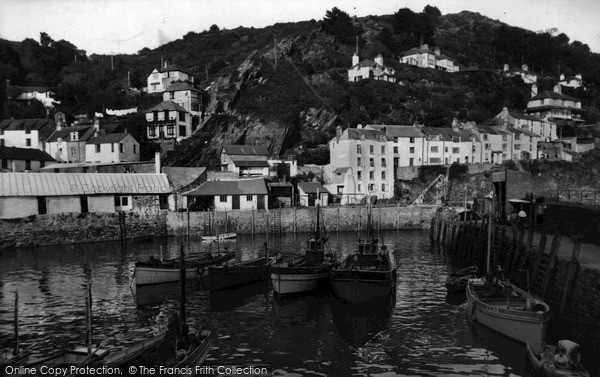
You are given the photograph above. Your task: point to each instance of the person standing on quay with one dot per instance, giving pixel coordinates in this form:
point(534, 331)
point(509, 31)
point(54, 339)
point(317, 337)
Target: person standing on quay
point(522, 221)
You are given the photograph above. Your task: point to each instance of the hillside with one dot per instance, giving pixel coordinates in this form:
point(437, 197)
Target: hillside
point(285, 86)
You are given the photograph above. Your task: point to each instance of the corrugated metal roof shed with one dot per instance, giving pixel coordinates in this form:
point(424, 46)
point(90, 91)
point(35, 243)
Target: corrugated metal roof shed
point(68, 184)
point(256, 150)
point(239, 187)
point(251, 163)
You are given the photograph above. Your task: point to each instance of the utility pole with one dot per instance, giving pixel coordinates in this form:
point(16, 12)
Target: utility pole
point(112, 67)
point(128, 79)
point(275, 49)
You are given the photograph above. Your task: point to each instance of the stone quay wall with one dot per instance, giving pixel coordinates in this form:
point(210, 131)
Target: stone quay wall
point(69, 228)
point(290, 220)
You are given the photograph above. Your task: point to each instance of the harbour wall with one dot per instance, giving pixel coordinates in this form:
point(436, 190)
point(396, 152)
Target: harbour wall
point(546, 264)
point(290, 220)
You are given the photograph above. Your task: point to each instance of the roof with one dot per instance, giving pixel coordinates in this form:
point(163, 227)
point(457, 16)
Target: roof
point(280, 184)
point(39, 89)
point(251, 163)
point(166, 105)
point(492, 130)
point(180, 177)
point(212, 175)
point(417, 50)
point(397, 130)
point(525, 116)
point(69, 184)
point(312, 187)
point(522, 131)
point(359, 133)
point(256, 186)
point(447, 134)
point(31, 154)
point(340, 170)
point(248, 150)
point(175, 67)
point(108, 138)
point(554, 95)
point(83, 133)
point(181, 85)
point(44, 126)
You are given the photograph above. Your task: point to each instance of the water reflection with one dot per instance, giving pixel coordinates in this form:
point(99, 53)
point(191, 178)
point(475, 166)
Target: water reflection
point(419, 331)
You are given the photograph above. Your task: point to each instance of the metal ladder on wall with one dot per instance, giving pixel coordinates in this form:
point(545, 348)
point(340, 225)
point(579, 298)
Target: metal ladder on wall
point(543, 268)
point(277, 220)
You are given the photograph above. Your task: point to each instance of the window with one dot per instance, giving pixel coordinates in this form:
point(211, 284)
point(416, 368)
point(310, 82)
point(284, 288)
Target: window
point(152, 131)
point(504, 147)
point(248, 198)
point(27, 130)
point(27, 164)
point(121, 147)
point(4, 164)
point(112, 148)
point(155, 115)
point(504, 137)
point(412, 139)
point(163, 201)
point(165, 114)
point(359, 161)
point(434, 149)
point(383, 174)
point(83, 201)
point(435, 160)
point(97, 146)
point(371, 162)
point(171, 130)
point(359, 187)
point(383, 149)
point(359, 175)
point(455, 150)
point(371, 149)
point(446, 149)
point(28, 142)
point(73, 151)
point(182, 130)
point(411, 150)
point(383, 163)
point(517, 147)
point(182, 116)
point(485, 137)
point(488, 146)
point(135, 147)
point(223, 198)
point(371, 175)
point(517, 137)
point(395, 149)
point(359, 149)
point(172, 95)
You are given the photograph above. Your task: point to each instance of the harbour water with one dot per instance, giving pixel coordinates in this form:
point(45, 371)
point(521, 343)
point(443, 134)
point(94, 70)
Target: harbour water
point(418, 332)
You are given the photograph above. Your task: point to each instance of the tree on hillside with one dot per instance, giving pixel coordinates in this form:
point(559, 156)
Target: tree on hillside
point(412, 28)
point(434, 11)
point(338, 23)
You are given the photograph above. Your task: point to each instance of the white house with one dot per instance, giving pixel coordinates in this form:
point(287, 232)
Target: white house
point(408, 143)
point(25, 133)
point(571, 81)
point(444, 146)
point(311, 193)
point(168, 120)
point(40, 93)
point(545, 129)
point(67, 144)
point(15, 160)
point(240, 194)
point(554, 106)
point(185, 95)
point(361, 164)
point(426, 57)
point(245, 160)
point(370, 69)
point(115, 147)
point(161, 78)
point(527, 76)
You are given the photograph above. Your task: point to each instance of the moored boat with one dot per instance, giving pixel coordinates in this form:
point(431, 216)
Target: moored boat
point(306, 272)
point(155, 271)
point(457, 281)
point(367, 274)
point(546, 368)
point(239, 273)
point(17, 356)
point(219, 237)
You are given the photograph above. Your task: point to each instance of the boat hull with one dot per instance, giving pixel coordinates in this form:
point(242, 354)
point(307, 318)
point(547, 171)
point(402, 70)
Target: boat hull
point(533, 352)
point(146, 275)
point(220, 237)
point(290, 280)
point(234, 276)
point(357, 290)
point(515, 323)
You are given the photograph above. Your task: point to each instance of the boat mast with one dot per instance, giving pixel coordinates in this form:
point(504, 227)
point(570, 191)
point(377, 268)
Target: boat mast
point(489, 235)
point(88, 322)
point(182, 276)
point(16, 324)
point(317, 229)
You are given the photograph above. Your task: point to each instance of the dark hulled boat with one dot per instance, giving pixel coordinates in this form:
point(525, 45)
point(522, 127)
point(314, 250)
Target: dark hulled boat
point(240, 273)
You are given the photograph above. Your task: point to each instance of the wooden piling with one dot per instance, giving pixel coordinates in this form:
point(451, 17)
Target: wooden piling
point(572, 275)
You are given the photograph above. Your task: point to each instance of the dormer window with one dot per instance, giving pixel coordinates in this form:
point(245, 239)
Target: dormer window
point(74, 136)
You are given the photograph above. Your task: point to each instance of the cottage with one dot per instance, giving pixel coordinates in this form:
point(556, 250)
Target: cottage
point(426, 57)
point(367, 69)
point(409, 143)
point(26, 194)
point(311, 193)
point(241, 194)
point(14, 159)
point(160, 79)
point(571, 81)
point(67, 144)
point(168, 121)
point(527, 76)
point(545, 129)
point(185, 95)
point(553, 106)
point(39, 93)
point(245, 160)
point(26, 133)
point(115, 147)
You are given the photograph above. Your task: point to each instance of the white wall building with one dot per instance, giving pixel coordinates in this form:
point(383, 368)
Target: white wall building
point(426, 57)
point(25, 133)
point(370, 69)
point(185, 95)
point(168, 120)
point(115, 147)
point(161, 78)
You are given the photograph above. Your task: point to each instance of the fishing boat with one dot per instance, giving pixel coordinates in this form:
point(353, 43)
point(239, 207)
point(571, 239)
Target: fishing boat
point(306, 272)
point(534, 354)
point(367, 274)
point(457, 281)
point(17, 356)
point(505, 308)
point(219, 237)
point(234, 274)
point(157, 271)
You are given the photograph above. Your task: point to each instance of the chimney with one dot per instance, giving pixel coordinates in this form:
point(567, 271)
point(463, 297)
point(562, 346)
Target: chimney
point(562, 76)
point(578, 76)
point(455, 125)
point(97, 125)
point(437, 51)
point(524, 67)
point(557, 89)
point(359, 126)
point(534, 90)
point(157, 167)
point(506, 67)
point(338, 132)
point(379, 59)
point(355, 59)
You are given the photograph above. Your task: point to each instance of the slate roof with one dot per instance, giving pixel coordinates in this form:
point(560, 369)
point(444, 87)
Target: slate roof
point(44, 126)
point(69, 184)
point(175, 67)
point(166, 105)
point(522, 131)
point(256, 186)
point(551, 94)
point(397, 130)
point(525, 116)
point(251, 163)
point(357, 134)
point(312, 187)
point(83, 133)
point(39, 89)
point(24, 154)
point(180, 177)
point(108, 138)
point(181, 85)
point(247, 150)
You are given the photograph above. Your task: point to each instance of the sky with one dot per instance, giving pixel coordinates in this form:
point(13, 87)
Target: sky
point(127, 26)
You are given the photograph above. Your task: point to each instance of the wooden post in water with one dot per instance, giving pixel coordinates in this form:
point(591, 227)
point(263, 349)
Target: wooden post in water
point(252, 222)
point(16, 324)
point(337, 221)
point(188, 222)
point(88, 322)
point(574, 266)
